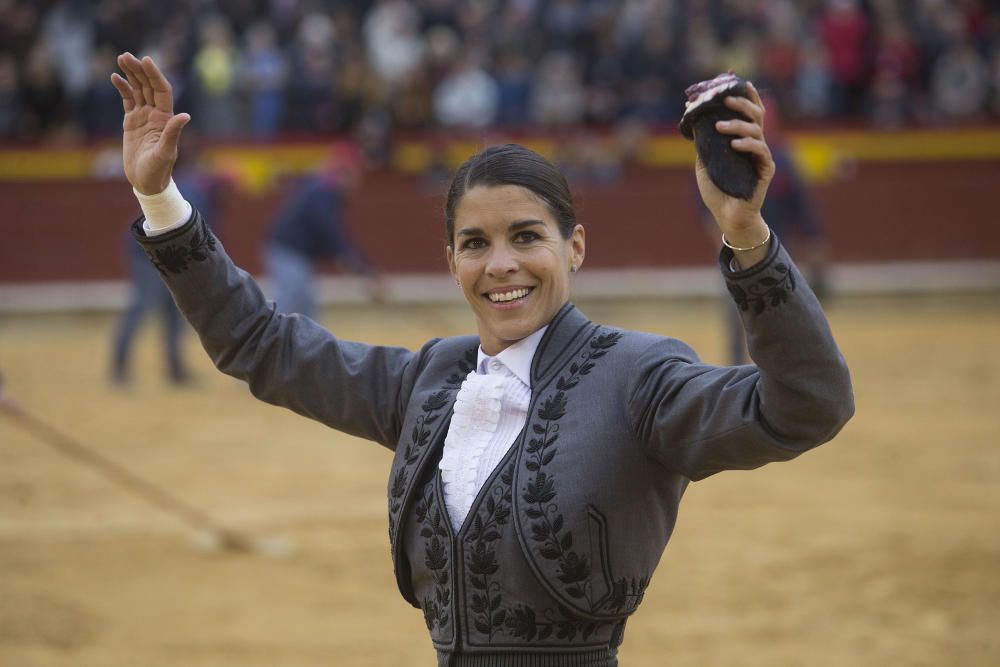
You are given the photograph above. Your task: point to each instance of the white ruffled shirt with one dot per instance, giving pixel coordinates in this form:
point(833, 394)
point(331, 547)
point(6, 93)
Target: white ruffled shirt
point(490, 411)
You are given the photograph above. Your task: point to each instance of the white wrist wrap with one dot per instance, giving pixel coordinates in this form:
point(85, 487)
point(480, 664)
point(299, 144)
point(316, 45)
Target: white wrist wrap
point(164, 211)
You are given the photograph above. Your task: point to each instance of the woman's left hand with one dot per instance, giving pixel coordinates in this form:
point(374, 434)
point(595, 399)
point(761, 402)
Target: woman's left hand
point(739, 219)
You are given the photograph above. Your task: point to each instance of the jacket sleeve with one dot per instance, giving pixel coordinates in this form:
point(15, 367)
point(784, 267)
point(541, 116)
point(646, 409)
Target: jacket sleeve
point(287, 360)
point(699, 419)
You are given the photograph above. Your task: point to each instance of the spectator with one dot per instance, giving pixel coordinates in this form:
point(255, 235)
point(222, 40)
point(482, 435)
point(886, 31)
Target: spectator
point(467, 97)
point(217, 110)
point(515, 29)
point(444, 48)
point(356, 90)
point(263, 74)
point(896, 69)
point(778, 54)
point(995, 81)
point(287, 66)
point(513, 89)
point(845, 32)
point(652, 77)
point(960, 83)
point(395, 46)
point(43, 95)
point(10, 99)
point(123, 23)
point(558, 96)
point(68, 28)
point(100, 103)
point(701, 49)
point(18, 27)
point(566, 24)
point(813, 85)
point(311, 101)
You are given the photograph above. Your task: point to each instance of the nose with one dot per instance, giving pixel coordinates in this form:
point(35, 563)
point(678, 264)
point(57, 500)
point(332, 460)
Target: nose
point(502, 261)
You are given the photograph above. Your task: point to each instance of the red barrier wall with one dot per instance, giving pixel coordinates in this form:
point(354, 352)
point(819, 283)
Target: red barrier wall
point(74, 230)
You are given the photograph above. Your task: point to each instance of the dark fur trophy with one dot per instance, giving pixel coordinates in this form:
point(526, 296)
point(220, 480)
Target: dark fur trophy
point(732, 172)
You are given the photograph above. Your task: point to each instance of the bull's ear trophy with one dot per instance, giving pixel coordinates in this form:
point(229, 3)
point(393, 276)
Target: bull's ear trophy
point(731, 170)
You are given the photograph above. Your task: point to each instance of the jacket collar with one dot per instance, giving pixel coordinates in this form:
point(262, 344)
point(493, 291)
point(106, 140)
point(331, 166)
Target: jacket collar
point(567, 331)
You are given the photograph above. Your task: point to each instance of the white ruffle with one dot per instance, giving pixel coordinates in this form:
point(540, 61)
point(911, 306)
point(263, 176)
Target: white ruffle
point(473, 423)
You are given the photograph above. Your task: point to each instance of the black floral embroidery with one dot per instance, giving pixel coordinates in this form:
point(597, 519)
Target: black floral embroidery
point(554, 541)
point(420, 435)
point(766, 291)
point(491, 617)
point(176, 257)
point(626, 594)
point(524, 623)
point(437, 604)
point(487, 528)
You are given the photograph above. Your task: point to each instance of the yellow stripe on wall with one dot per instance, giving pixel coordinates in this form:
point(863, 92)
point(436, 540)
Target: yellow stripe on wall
point(256, 167)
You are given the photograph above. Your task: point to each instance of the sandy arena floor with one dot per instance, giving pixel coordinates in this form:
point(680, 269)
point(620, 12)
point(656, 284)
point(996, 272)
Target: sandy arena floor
point(880, 548)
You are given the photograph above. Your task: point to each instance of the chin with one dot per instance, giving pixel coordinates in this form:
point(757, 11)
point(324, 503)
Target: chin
point(510, 335)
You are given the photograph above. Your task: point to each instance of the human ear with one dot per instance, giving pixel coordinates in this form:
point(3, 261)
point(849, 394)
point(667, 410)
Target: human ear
point(450, 255)
point(578, 247)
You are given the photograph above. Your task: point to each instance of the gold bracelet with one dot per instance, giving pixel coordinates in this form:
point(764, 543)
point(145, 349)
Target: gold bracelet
point(753, 247)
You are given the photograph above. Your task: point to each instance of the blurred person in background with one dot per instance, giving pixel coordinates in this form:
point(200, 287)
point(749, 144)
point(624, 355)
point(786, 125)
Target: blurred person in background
point(538, 466)
point(310, 227)
point(11, 110)
point(558, 97)
point(995, 80)
point(779, 53)
point(97, 105)
point(380, 63)
point(813, 84)
point(69, 28)
point(895, 80)
point(148, 293)
point(960, 83)
point(215, 80)
point(263, 74)
point(311, 103)
point(44, 100)
point(394, 43)
point(649, 70)
point(19, 22)
point(130, 24)
point(845, 31)
point(468, 96)
point(514, 77)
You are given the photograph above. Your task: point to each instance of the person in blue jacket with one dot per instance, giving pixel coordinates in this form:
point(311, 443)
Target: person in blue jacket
point(310, 228)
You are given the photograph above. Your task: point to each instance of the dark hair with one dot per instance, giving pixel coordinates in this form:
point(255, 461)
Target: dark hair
point(512, 164)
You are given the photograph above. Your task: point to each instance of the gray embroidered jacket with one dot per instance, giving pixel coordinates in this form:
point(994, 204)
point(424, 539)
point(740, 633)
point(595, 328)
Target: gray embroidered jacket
point(562, 540)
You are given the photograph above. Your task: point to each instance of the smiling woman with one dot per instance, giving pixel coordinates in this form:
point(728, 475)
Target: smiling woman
point(511, 257)
point(539, 464)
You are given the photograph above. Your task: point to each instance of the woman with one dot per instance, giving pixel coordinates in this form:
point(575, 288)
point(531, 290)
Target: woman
point(539, 465)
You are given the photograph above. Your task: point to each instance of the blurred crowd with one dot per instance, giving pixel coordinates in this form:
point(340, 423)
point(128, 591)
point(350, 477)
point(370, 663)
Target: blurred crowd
point(260, 68)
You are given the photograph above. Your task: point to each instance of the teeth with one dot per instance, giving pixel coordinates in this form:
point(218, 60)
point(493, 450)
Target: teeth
point(503, 297)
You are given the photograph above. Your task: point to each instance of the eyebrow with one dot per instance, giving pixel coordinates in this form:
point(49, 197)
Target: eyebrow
point(514, 227)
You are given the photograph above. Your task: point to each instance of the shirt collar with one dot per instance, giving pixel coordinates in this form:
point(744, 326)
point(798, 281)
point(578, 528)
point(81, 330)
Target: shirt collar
point(517, 358)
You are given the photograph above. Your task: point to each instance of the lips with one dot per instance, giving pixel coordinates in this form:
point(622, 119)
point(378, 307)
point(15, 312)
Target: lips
point(502, 296)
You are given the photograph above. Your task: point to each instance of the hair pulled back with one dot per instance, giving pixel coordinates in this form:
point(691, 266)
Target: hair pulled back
point(513, 164)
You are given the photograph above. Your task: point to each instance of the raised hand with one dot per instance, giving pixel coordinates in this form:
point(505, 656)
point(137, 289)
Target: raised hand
point(740, 220)
point(150, 130)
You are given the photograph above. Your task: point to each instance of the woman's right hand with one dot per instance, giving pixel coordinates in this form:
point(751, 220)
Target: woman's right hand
point(150, 131)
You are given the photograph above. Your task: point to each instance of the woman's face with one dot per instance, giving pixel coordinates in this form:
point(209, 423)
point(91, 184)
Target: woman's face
point(511, 262)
